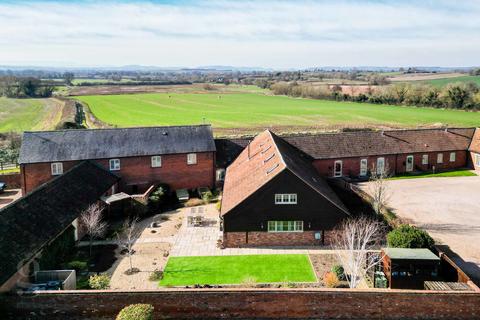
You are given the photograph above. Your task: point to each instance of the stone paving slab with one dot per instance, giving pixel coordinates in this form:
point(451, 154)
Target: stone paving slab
point(202, 241)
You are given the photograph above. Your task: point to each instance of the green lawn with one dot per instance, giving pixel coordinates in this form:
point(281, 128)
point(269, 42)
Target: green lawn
point(7, 171)
point(445, 81)
point(456, 173)
point(181, 271)
point(245, 110)
point(28, 114)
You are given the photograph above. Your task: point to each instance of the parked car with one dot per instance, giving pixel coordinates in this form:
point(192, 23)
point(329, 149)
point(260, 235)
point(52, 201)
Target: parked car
point(3, 186)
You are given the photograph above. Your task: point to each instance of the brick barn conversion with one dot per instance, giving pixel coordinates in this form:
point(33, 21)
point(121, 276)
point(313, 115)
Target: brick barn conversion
point(274, 196)
point(29, 224)
point(274, 193)
point(181, 156)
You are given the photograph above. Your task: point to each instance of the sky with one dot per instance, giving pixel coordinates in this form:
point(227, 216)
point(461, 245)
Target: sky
point(271, 34)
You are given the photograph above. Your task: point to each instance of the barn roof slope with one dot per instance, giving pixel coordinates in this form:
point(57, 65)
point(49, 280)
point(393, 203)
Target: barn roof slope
point(86, 144)
point(366, 143)
point(475, 145)
point(30, 223)
point(262, 160)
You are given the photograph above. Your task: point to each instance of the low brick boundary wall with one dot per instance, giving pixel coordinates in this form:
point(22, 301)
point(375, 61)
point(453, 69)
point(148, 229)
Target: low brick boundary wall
point(11, 179)
point(247, 303)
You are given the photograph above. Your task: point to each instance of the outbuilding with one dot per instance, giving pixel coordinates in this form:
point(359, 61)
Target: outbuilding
point(410, 268)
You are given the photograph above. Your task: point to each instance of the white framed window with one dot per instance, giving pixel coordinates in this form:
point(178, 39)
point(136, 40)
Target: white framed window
point(338, 168)
point(477, 160)
point(285, 198)
point(425, 159)
point(363, 167)
point(453, 156)
point(57, 168)
point(380, 165)
point(114, 164)
point(192, 158)
point(220, 174)
point(285, 226)
point(440, 158)
point(156, 161)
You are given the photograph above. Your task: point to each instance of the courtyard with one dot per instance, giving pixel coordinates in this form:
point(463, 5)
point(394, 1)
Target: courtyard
point(448, 208)
point(191, 255)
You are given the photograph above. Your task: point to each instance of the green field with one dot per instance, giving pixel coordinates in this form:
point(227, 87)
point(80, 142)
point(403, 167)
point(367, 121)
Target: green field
point(28, 114)
point(445, 81)
point(249, 110)
point(182, 271)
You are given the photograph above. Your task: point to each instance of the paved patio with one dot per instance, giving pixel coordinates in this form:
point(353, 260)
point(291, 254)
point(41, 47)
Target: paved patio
point(202, 241)
point(9, 196)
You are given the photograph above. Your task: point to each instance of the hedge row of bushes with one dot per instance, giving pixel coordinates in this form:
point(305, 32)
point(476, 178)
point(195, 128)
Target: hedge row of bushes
point(455, 95)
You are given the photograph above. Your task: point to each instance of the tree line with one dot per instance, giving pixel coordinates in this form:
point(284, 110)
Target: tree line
point(28, 87)
point(454, 95)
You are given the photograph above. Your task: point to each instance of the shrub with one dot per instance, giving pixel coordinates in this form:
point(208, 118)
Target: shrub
point(59, 251)
point(406, 236)
point(207, 197)
point(77, 265)
point(193, 202)
point(339, 271)
point(159, 197)
point(218, 205)
point(156, 275)
point(331, 280)
point(136, 312)
point(99, 281)
point(249, 282)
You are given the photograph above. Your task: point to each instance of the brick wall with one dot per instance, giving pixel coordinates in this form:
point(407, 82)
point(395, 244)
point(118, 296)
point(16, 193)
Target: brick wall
point(472, 160)
point(245, 303)
point(396, 163)
point(12, 180)
point(306, 238)
point(137, 171)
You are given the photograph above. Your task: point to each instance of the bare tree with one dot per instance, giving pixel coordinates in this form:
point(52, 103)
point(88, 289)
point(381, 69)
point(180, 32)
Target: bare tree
point(353, 242)
point(127, 239)
point(91, 220)
point(379, 187)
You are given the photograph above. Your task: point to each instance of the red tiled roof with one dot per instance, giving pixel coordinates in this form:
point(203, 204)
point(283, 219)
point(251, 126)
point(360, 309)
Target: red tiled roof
point(365, 143)
point(475, 145)
point(263, 159)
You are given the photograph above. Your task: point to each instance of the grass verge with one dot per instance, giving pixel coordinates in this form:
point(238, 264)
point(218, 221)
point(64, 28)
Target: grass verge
point(9, 171)
point(182, 271)
point(455, 173)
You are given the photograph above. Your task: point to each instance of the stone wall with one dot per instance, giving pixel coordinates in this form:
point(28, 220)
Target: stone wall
point(247, 303)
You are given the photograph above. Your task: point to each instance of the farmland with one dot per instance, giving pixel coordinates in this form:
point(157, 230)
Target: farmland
point(250, 110)
point(445, 81)
point(434, 79)
point(29, 114)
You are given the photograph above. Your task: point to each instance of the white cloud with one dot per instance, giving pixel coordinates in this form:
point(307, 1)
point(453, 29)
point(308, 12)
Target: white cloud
point(248, 33)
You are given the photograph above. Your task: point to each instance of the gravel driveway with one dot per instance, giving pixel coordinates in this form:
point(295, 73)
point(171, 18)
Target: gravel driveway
point(448, 208)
